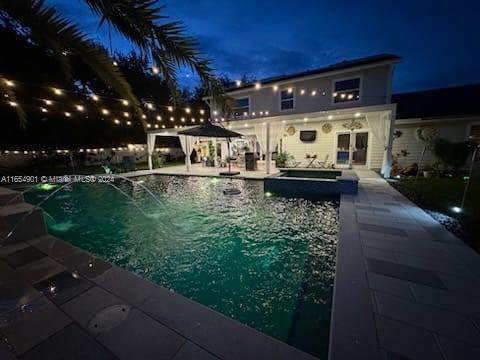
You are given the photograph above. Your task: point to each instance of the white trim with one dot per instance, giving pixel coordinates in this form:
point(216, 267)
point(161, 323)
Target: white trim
point(280, 100)
point(360, 90)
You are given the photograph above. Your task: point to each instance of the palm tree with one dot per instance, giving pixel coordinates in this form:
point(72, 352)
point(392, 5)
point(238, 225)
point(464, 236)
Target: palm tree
point(142, 22)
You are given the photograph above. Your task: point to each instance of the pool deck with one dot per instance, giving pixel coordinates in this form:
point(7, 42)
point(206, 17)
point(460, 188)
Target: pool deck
point(405, 288)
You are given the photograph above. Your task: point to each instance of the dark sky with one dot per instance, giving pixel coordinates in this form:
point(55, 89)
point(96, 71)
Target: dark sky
point(438, 40)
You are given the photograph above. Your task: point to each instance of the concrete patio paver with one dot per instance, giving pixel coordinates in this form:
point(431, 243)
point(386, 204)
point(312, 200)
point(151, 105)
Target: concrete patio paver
point(423, 282)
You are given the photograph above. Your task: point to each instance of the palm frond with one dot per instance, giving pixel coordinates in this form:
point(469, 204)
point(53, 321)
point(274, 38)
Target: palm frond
point(47, 26)
point(166, 44)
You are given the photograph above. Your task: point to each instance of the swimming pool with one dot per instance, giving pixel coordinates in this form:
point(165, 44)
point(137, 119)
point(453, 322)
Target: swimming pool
point(267, 262)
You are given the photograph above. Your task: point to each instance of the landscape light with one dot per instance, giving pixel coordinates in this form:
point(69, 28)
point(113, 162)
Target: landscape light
point(456, 209)
point(268, 194)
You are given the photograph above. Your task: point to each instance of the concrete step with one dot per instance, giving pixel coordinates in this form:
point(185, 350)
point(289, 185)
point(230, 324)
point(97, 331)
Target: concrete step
point(8, 196)
point(25, 227)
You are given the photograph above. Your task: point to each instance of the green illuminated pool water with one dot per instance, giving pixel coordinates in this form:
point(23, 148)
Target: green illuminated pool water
point(267, 262)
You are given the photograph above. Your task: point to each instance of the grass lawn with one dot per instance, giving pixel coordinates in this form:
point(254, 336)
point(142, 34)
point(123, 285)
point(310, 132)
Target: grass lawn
point(441, 194)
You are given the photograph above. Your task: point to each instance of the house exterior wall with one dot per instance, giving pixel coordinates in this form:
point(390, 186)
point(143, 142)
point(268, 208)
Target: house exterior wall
point(454, 129)
point(374, 90)
point(325, 144)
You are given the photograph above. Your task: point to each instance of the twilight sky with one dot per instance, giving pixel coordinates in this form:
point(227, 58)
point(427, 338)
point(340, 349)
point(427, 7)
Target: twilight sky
point(438, 40)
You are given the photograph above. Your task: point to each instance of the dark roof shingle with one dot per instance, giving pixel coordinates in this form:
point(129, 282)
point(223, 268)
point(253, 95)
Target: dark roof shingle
point(451, 101)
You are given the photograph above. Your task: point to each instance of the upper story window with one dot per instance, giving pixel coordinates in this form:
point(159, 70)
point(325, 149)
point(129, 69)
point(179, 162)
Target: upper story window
point(287, 99)
point(346, 90)
point(241, 107)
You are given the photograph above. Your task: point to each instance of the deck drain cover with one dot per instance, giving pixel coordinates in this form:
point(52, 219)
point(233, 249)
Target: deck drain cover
point(108, 318)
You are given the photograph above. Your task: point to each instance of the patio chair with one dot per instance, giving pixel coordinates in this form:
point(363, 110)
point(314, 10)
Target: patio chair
point(324, 164)
point(292, 163)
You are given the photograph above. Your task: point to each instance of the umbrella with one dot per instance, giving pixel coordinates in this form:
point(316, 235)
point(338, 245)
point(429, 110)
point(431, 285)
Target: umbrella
point(210, 130)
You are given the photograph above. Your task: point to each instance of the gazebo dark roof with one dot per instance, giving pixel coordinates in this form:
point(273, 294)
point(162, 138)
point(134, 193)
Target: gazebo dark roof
point(210, 130)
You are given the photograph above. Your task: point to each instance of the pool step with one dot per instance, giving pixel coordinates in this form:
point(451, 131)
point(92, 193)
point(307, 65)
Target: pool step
point(8, 196)
point(23, 220)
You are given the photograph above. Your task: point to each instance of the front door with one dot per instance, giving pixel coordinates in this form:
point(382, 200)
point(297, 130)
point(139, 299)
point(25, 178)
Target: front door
point(351, 149)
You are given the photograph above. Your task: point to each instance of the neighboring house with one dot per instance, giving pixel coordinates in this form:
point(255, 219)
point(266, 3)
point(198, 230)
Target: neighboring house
point(340, 113)
point(452, 113)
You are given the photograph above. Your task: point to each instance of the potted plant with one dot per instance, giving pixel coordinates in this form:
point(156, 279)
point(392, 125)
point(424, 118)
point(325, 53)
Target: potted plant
point(282, 159)
point(429, 172)
point(211, 155)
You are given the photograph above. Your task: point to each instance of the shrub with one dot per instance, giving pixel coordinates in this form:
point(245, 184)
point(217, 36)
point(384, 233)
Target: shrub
point(451, 155)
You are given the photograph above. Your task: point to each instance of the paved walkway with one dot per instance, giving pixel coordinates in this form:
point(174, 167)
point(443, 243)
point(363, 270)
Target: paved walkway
point(406, 288)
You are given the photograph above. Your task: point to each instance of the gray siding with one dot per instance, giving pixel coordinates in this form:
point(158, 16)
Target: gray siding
point(375, 90)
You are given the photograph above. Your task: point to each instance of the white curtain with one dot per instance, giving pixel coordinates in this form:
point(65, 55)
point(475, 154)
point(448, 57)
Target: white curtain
point(187, 143)
point(379, 125)
point(261, 135)
point(276, 133)
point(224, 147)
point(150, 147)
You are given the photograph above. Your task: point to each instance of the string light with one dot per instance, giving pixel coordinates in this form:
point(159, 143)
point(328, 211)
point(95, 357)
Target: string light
point(126, 114)
point(79, 107)
point(302, 92)
point(149, 126)
point(188, 110)
point(172, 118)
point(149, 105)
point(159, 118)
point(202, 111)
point(48, 102)
point(57, 91)
point(43, 110)
point(182, 119)
point(13, 103)
point(95, 97)
point(105, 112)
point(9, 83)
point(116, 121)
point(144, 116)
point(125, 102)
point(67, 114)
point(155, 70)
point(314, 92)
point(170, 108)
point(129, 123)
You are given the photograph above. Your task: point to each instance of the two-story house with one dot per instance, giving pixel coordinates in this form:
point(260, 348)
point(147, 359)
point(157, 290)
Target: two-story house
point(340, 115)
